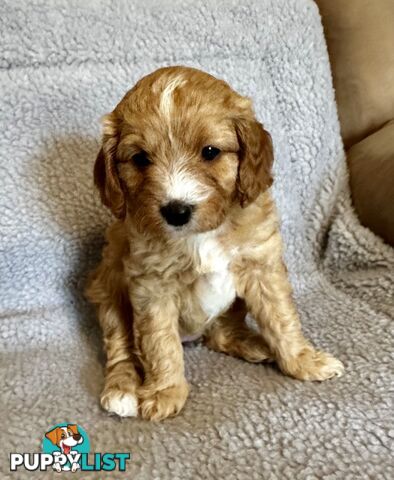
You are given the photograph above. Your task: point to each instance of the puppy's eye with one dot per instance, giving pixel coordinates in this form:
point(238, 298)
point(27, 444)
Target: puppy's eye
point(141, 159)
point(209, 152)
point(63, 435)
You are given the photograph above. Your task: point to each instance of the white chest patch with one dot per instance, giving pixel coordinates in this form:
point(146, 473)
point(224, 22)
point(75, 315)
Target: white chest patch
point(214, 289)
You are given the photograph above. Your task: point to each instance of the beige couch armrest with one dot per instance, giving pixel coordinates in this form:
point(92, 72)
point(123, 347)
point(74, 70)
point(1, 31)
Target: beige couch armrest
point(371, 164)
point(360, 39)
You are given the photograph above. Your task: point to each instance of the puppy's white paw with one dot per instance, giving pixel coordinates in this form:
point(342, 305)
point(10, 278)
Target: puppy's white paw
point(124, 404)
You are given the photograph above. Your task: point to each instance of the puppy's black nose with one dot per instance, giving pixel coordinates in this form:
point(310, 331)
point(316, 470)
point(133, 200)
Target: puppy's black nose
point(77, 436)
point(176, 213)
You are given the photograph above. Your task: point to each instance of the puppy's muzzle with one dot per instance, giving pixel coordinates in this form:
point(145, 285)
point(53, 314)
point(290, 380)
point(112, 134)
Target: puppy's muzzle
point(177, 213)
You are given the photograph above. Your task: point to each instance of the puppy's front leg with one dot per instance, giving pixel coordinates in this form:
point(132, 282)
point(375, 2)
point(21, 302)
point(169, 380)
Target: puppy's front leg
point(159, 348)
point(268, 296)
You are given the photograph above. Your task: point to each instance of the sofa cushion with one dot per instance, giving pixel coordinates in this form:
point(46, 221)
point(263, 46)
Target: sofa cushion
point(360, 38)
point(371, 164)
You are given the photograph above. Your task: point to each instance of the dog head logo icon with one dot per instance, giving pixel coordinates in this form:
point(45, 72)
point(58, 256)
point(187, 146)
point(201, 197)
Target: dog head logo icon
point(65, 437)
point(66, 442)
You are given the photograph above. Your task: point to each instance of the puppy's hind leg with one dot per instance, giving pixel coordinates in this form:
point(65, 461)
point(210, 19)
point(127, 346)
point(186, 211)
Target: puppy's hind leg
point(231, 335)
point(268, 296)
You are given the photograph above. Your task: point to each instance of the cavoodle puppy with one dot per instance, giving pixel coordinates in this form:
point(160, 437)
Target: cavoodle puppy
point(185, 168)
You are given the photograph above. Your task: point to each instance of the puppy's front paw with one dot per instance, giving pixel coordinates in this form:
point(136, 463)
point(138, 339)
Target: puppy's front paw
point(313, 365)
point(161, 404)
point(122, 403)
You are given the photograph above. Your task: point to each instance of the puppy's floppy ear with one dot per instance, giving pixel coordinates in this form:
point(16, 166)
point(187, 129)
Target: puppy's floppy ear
point(53, 435)
point(255, 160)
point(106, 177)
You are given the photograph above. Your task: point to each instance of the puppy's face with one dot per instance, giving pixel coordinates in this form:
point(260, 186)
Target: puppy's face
point(178, 151)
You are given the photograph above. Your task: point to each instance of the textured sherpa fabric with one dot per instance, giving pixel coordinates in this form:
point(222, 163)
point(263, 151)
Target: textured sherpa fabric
point(63, 65)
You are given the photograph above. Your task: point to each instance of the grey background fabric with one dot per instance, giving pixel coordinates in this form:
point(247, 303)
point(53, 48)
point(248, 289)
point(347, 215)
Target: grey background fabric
point(63, 64)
